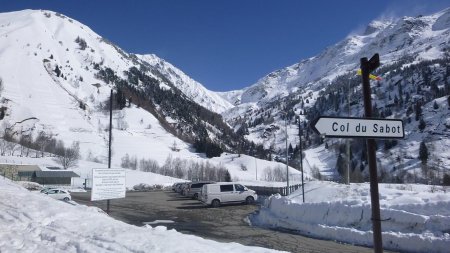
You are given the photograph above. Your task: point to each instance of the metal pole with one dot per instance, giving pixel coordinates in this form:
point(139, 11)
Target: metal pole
point(287, 156)
point(109, 143)
point(256, 167)
point(301, 158)
point(371, 156)
point(348, 141)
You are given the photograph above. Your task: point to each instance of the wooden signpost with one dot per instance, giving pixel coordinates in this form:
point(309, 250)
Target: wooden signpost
point(370, 129)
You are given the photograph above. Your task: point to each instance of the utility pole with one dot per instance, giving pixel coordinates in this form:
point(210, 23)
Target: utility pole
point(256, 168)
point(347, 179)
point(287, 156)
point(300, 133)
point(368, 66)
point(109, 143)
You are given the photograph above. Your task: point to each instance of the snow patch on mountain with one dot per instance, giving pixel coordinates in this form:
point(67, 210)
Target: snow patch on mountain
point(191, 88)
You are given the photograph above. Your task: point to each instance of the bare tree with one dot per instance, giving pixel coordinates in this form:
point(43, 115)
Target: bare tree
point(121, 123)
point(42, 140)
point(125, 163)
point(167, 168)
point(1, 86)
point(3, 147)
point(25, 142)
point(178, 166)
point(11, 147)
point(148, 165)
point(69, 156)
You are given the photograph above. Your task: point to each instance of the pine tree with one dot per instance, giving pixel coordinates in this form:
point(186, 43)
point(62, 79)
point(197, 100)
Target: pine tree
point(422, 125)
point(227, 176)
point(57, 71)
point(423, 152)
point(418, 108)
point(400, 93)
point(120, 99)
point(340, 163)
point(446, 180)
point(435, 105)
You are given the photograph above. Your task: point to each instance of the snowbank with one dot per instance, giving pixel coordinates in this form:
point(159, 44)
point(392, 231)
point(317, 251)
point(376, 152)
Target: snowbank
point(414, 218)
point(31, 222)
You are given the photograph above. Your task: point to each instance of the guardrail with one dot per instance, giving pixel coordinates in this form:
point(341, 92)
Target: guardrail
point(267, 191)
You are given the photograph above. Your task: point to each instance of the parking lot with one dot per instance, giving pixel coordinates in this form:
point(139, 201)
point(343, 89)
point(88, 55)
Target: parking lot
point(225, 224)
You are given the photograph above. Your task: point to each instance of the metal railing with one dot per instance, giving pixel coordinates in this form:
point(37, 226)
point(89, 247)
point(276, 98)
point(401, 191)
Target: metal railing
point(267, 191)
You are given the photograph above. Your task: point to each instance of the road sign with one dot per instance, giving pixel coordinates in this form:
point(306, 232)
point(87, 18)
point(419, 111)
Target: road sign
point(346, 127)
point(108, 184)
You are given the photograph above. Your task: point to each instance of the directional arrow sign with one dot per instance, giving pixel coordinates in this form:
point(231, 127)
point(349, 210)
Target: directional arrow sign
point(358, 127)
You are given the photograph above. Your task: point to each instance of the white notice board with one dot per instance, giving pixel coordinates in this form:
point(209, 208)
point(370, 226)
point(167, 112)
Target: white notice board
point(108, 184)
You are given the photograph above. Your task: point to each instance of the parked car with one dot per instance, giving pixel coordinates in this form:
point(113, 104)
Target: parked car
point(194, 189)
point(182, 188)
point(174, 186)
point(59, 194)
point(226, 192)
point(45, 189)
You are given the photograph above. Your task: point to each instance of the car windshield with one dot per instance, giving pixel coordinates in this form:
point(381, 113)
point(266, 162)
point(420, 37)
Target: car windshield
point(46, 189)
point(239, 187)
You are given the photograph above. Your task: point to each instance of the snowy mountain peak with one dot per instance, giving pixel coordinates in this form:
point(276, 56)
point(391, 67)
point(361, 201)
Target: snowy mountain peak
point(376, 26)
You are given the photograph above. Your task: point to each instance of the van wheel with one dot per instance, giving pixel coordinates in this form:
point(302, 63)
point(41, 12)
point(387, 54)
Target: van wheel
point(249, 200)
point(215, 203)
point(195, 196)
point(66, 199)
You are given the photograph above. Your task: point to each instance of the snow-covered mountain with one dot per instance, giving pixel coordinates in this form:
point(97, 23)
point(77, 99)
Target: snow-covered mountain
point(56, 76)
point(51, 72)
point(423, 37)
point(414, 55)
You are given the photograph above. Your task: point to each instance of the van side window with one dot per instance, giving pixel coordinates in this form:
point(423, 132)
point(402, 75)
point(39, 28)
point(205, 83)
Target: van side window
point(226, 188)
point(239, 187)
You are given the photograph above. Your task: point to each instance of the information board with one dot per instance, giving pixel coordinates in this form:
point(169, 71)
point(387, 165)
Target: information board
point(108, 184)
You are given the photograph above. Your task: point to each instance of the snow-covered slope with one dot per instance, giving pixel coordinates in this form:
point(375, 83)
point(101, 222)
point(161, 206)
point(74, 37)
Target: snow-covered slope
point(415, 218)
point(187, 85)
point(35, 45)
point(33, 222)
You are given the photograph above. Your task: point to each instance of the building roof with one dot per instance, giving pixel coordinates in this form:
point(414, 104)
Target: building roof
point(53, 168)
point(20, 167)
point(53, 173)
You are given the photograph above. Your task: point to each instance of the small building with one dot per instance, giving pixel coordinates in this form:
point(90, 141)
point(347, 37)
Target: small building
point(25, 172)
point(39, 174)
point(59, 177)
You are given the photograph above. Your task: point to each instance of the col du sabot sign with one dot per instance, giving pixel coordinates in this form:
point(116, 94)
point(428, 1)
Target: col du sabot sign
point(342, 127)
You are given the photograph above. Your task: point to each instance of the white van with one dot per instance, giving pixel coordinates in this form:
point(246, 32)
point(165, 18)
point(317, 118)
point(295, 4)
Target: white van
point(226, 192)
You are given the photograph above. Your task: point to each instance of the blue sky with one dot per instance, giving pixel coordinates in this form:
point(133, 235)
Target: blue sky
point(228, 45)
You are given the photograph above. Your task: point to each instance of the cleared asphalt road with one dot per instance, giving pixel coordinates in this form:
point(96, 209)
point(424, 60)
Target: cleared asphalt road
point(225, 224)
